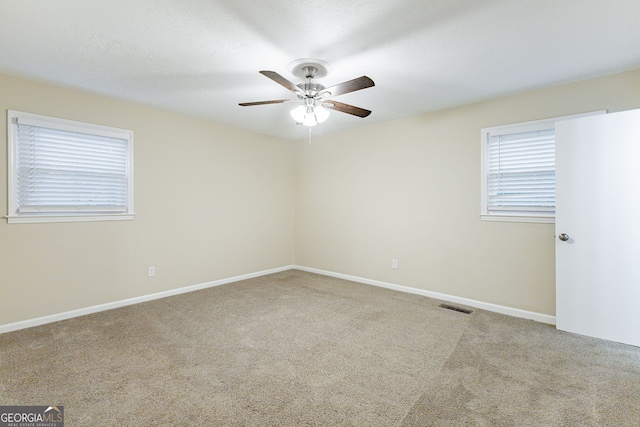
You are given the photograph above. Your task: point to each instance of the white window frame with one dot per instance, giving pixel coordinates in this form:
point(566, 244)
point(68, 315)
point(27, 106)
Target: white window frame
point(486, 134)
point(50, 215)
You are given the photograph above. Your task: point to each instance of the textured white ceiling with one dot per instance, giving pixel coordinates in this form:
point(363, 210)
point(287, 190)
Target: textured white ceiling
point(201, 58)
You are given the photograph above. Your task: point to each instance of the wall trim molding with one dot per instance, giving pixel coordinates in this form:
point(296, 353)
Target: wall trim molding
point(538, 317)
point(9, 327)
point(509, 311)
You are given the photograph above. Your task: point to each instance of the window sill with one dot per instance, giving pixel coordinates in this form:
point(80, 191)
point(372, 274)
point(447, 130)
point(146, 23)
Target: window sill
point(519, 218)
point(14, 219)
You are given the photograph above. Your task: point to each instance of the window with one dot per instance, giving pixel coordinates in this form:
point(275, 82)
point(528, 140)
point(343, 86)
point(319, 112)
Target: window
point(62, 170)
point(518, 171)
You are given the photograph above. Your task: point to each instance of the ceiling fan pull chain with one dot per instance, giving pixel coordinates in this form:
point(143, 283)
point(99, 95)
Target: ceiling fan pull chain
point(309, 135)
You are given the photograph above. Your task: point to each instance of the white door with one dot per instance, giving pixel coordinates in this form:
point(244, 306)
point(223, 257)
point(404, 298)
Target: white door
point(598, 211)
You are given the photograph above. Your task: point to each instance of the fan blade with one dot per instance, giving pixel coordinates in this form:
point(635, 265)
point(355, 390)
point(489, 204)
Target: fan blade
point(282, 81)
point(275, 101)
point(346, 108)
point(350, 86)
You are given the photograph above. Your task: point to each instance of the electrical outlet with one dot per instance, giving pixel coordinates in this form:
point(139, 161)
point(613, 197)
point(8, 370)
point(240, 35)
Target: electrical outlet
point(394, 263)
point(151, 272)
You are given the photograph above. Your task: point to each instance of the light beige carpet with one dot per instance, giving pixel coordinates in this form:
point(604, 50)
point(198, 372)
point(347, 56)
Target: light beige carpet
point(299, 349)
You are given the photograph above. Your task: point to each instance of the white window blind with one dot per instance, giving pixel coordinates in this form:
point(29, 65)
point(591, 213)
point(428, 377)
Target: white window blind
point(69, 168)
point(521, 172)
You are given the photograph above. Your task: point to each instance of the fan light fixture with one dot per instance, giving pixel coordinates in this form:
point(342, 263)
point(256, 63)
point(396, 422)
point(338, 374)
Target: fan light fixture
point(310, 114)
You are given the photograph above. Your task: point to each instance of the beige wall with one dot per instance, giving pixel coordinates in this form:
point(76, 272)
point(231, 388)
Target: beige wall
point(214, 202)
point(211, 202)
point(410, 189)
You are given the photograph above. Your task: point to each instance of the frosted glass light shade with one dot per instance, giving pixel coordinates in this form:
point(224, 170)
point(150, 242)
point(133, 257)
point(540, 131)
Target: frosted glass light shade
point(298, 113)
point(310, 115)
point(322, 113)
point(310, 118)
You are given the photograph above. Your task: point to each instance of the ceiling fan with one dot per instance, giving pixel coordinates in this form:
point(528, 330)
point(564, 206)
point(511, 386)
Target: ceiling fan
point(315, 105)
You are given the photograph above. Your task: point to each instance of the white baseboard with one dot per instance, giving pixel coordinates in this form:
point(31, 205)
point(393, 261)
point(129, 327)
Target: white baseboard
point(538, 317)
point(544, 318)
point(116, 304)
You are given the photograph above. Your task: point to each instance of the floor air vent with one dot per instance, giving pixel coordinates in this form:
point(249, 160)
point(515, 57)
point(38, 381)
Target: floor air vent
point(454, 308)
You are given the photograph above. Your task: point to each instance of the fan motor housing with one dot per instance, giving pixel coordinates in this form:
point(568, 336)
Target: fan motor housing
point(310, 89)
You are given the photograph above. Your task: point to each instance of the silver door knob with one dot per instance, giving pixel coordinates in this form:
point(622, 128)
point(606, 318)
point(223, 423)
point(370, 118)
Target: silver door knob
point(564, 237)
